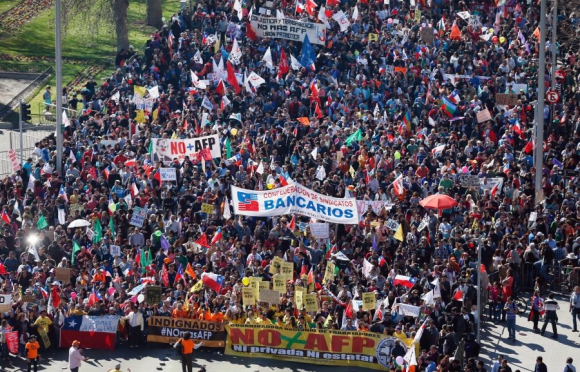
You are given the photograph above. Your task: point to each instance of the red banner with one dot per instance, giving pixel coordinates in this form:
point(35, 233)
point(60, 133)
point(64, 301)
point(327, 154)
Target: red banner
point(12, 342)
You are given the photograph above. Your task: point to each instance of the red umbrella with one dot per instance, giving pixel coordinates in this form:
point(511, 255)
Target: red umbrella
point(438, 201)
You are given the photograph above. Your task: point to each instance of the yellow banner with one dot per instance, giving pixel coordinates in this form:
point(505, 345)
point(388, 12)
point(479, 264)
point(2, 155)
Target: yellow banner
point(311, 303)
point(279, 283)
point(287, 269)
point(317, 346)
point(249, 296)
point(369, 301)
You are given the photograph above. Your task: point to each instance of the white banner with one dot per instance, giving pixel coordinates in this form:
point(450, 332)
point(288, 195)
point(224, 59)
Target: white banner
point(409, 310)
point(168, 149)
point(320, 230)
point(294, 199)
point(289, 29)
point(168, 174)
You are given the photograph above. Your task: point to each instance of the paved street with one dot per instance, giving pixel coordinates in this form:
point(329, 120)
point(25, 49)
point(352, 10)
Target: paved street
point(520, 355)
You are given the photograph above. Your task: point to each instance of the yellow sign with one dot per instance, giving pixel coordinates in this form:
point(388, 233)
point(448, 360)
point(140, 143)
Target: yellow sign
point(287, 269)
point(329, 273)
point(197, 287)
point(311, 303)
point(369, 301)
point(207, 208)
point(139, 90)
point(275, 265)
point(417, 16)
point(249, 296)
point(299, 299)
point(264, 285)
point(255, 284)
point(140, 116)
point(279, 283)
point(314, 346)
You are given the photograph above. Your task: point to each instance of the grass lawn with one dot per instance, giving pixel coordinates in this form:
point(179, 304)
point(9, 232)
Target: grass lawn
point(81, 48)
point(7, 4)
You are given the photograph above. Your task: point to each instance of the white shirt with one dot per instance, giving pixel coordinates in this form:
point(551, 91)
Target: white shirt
point(135, 319)
point(74, 357)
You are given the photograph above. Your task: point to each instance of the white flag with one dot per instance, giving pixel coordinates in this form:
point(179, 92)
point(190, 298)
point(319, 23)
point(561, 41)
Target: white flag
point(197, 58)
point(238, 8)
point(31, 181)
point(206, 103)
point(61, 216)
point(65, 120)
point(367, 268)
point(432, 122)
point(438, 150)
point(424, 223)
point(16, 207)
point(428, 298)
point(268, 58)
point(154, 92)
point(314, 153)
point(32, 250)
point(321, 173)
point(342, 20)
point(227, 211)
point(223, 74)
point(255, 79)
point(116, 97)
point(437, 289)
point(236, 53)
point(376, 113)
point(247, 84)
point(260, 169)
point(279, 14)
point(129, 200)
point(322, 16)
point(355, 14)
point(294, 63)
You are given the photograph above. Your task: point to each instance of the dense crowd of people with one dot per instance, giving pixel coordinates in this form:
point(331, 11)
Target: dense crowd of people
point(390, 113)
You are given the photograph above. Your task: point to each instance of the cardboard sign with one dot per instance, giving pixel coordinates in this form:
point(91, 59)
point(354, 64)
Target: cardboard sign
point(153, 294)
point(369, 301)
point(28, 298)
point(311, 303)
point(299, 297)
point(5, 303)
point(287, 269)
point(271, 297)
point(63, 275)
point(207, 208)
point(168, 174)
point(468, 180)
point(508, 99)
point(115, 250)
point(249, 296)
point(320, 230)
point(392, 225)
point(483, 116)
point(76, 207)
point(427, 35)
point(279, 283)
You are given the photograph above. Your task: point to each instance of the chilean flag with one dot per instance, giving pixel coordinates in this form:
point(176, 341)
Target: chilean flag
point(213, 281)
point(217, 237)
point(93, 332)
point(62, 193)
point(405, 281)
point(179, 274)
point(134, 190)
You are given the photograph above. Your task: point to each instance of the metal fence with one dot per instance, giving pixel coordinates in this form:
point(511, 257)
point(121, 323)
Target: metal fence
point(28, 143)
point(47, 114)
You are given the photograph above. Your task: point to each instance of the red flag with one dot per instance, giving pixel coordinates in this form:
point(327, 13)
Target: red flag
point(494, 190)
point(3, 269)
point(232, 78)
point(318, 111)
point(283, 181)
point(55, 296)
point(157, 176)
point(221, 88)
point(202, 240)
point(250, 33)
point(217, 237)
point(197, 128)
point(165, 276)
point(189, 271)
point(458, 296)
point(5, 217)
point(283, 67)
point(310, 277)
point(93, 299)
point(292, 225)
point(348, 311)
point(529, 147)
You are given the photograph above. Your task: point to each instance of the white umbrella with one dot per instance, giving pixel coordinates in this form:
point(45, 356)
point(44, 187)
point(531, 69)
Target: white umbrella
point(79, 223)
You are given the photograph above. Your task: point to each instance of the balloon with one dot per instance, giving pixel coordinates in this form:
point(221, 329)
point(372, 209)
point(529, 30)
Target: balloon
point(234, 131)
point(73, 295)
point(111, 290)
point(501, 39)
point(390, 21)
point(245, 281)
point(465, 169)
point(141, 298)
point(490, 30)
point(270, 186)
point(400, 361)
point(134, 299)
point(494, 39)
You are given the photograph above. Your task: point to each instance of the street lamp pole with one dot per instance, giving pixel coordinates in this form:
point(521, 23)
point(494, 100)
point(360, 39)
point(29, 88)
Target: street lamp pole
point(539, 150)
point(58, 57)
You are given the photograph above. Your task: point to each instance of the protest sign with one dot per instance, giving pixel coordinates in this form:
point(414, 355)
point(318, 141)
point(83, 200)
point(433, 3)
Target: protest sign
point(320, 230)
point(5, 303)
point(27, 298)
point(271, 297)
point(489, 183)
point(329, 273)
point(138, 217)
point(468, 180)
point(313, 346)
point(279, 283)
point(287, 269)
point(288, 29)
point(115, 250)
point(294, 199)
point(168, 174)
point(275, 265)
point(255, 285)
point(165, 150)
point(249, 296)
point(63, 274)
point(427, 35)
point(168, 330)
point(311, 303)
point(299, 297)
point(74, 208)
point(392, 225)
point(369, 301)
point(409, 310)
point(14, 160)
point(264, 285)
point(483, 116)
point(153, 294)
point(207, 208)
point(508, 99)
point(12, 342)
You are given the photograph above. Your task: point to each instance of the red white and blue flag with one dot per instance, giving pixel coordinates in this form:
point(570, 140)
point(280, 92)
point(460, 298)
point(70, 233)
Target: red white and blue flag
point(248, 202)
point(212, 281)
point(62, 193)
point(93, 332)
point(405, 281)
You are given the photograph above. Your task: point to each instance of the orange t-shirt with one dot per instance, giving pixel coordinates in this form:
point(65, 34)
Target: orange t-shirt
point(179, 313)
point(187, 346)
point(99, 278)
point(32, 348)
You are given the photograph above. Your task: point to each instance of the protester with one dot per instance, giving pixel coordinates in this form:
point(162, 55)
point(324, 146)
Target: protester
point(185, 347)
point(75, 357)
point(551, 306)
point(32, 355)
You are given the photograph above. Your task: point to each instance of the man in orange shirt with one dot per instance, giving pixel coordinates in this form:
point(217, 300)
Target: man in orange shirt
point(32, 356)
point(187, 346)
point(99, 276)
point(179, 312)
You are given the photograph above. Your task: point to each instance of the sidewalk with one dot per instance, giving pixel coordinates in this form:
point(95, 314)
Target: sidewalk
point(522, 353)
